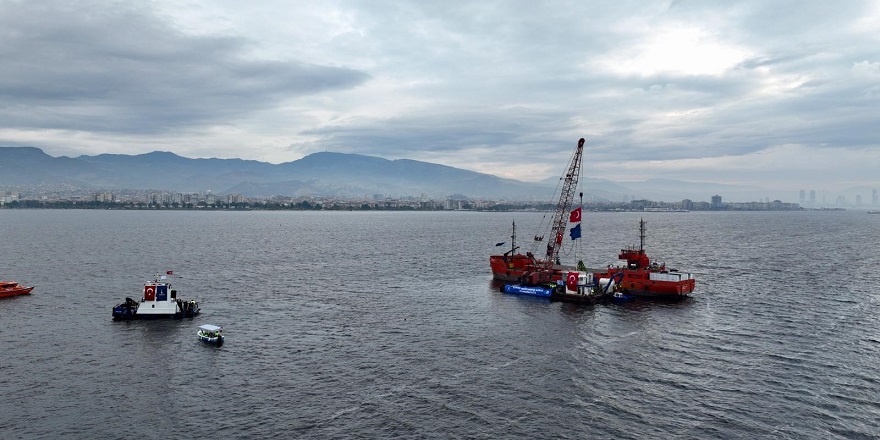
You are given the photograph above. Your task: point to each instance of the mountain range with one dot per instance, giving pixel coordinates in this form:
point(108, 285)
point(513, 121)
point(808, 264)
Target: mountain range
point(319, 174)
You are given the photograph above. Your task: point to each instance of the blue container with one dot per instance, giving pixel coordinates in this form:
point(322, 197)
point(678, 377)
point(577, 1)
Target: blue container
point(516, 289)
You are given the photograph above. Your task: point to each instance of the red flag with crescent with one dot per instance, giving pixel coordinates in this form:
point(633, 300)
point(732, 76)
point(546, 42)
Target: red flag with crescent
point(571, 281)
point(150, 293)
point(575, 216)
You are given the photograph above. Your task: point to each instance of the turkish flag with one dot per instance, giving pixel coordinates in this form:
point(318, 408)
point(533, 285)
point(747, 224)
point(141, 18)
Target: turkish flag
point(571, 281)
point(575, 216)
point(150, 293)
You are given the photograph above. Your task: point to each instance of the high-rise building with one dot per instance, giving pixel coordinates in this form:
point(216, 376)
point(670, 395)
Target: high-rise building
point(716, 201)
point(105, 196)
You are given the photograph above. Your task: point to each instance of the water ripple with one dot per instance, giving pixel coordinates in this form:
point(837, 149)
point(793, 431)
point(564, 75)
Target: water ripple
point(386, 325)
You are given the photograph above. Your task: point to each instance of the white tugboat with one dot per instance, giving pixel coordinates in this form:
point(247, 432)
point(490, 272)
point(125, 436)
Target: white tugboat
point(158, 302)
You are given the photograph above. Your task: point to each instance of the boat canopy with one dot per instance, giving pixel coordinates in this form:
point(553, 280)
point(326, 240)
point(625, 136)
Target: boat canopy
point(210, 328)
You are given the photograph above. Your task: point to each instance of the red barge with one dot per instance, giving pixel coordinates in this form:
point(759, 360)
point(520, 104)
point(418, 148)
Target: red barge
point(641, 277)
point(526, 268)
point(546, 277)
point(11, 288)
point(513, 266)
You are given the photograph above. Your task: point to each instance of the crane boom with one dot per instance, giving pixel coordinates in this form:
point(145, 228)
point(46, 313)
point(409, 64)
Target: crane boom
point(563, 208)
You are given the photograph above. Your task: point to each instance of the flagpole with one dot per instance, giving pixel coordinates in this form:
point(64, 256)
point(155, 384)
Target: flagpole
point(577, 247)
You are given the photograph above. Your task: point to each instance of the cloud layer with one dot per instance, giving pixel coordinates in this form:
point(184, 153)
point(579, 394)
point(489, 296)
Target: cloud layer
point(779, 94)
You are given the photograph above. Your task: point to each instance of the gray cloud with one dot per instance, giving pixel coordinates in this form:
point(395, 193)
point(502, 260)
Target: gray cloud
point(112, 67)
point(678, 90)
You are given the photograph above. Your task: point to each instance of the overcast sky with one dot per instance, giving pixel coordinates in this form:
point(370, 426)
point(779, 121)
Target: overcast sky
point(782, 94)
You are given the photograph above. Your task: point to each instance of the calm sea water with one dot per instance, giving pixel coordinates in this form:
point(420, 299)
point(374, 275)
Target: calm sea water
point(387, 325)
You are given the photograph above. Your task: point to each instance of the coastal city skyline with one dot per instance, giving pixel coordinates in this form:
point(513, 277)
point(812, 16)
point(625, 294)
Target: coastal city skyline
point(32, 173)
point(747, 93)
point(149, 199)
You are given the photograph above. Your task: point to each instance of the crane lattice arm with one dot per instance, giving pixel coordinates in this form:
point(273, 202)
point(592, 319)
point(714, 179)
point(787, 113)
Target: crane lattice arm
point(563, 208)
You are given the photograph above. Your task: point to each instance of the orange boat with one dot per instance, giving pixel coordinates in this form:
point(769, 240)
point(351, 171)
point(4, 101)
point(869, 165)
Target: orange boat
point(644, 278)
point(11, 288)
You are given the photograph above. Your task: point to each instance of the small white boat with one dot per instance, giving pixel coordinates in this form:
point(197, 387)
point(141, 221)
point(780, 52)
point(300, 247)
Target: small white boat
point(211, 334)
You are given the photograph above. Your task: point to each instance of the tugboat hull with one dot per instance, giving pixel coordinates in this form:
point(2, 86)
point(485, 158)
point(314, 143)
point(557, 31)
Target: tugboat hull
point(122, 316)
point(657, 285)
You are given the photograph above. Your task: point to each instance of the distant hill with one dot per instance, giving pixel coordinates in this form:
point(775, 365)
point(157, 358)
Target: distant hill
point(319, 174)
